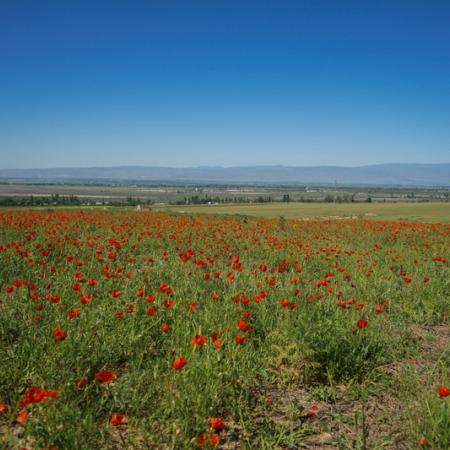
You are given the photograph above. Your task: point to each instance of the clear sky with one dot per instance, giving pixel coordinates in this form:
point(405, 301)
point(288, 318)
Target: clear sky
point(224, 82)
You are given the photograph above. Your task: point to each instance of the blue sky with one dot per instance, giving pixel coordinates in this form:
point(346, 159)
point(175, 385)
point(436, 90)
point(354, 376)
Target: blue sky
point(193, 82)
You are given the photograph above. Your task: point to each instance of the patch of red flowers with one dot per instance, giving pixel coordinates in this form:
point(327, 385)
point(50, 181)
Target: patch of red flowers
point(36, 395)
point(105, 376)
point(208, 440)
point(199, 340)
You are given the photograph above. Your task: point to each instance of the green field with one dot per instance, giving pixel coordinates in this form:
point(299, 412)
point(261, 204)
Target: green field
point(422, 212)
point(127, 330)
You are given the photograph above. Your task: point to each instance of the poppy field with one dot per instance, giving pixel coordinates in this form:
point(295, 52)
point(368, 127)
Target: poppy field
point(128, 330)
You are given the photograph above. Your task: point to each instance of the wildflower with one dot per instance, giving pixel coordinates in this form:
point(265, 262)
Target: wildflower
point(36, 395)
point(59, 334)
point(206, 440)
point(239, 340)
point(313, 411)
point(443, 391)
point(179, 363)
point(73, 313)
point(22, 417)
point(243, 325)
point(3, 409)
point(118, 419)
point(192, 306)
point(81, 383)
point(105, 376)
point(216, 424)
point(199, 340)
point(362, 323)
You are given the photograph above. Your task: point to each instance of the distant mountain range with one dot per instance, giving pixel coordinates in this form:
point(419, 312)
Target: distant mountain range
point(381, 174)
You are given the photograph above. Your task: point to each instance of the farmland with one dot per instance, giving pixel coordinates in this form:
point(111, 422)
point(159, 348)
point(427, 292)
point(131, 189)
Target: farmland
point(421, 212)
point(123, 329)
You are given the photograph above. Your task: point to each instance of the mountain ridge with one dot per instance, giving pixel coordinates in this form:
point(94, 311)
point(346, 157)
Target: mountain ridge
point(411, 174)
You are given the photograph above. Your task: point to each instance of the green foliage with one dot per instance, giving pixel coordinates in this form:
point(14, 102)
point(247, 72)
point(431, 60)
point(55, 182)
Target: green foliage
point(300, 288)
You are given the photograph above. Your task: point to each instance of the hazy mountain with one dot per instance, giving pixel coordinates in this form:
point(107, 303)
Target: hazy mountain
point(382, 174)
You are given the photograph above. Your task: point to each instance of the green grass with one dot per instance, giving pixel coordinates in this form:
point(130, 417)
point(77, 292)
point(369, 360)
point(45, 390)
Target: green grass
point(302, 288)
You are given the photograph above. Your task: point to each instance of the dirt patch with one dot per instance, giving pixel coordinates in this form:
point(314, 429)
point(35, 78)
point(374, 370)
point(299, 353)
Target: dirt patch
point(433, 339)
point(322, 425)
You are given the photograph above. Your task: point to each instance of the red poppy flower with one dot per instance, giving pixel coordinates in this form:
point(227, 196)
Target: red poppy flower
point(208, 440)
point(313, 411)
point(284, 303)
point(22, 417)
point(73, 313)
point(105, 376)
point(52, 393)
point(243, 325)
point(3, 409)
point(362, 323)
point(443, 391)
point(164, 327)
point(81, 383)
point(199, 340)
point(216, 424)
point(239, 340)
point(192, 306)
point(37, 395)
point(179, 363)
point(151, 312)
point(59, 334)
point(118, 419)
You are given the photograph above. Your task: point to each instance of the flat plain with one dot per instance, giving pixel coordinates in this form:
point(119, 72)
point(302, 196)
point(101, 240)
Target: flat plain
point(422, 212)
